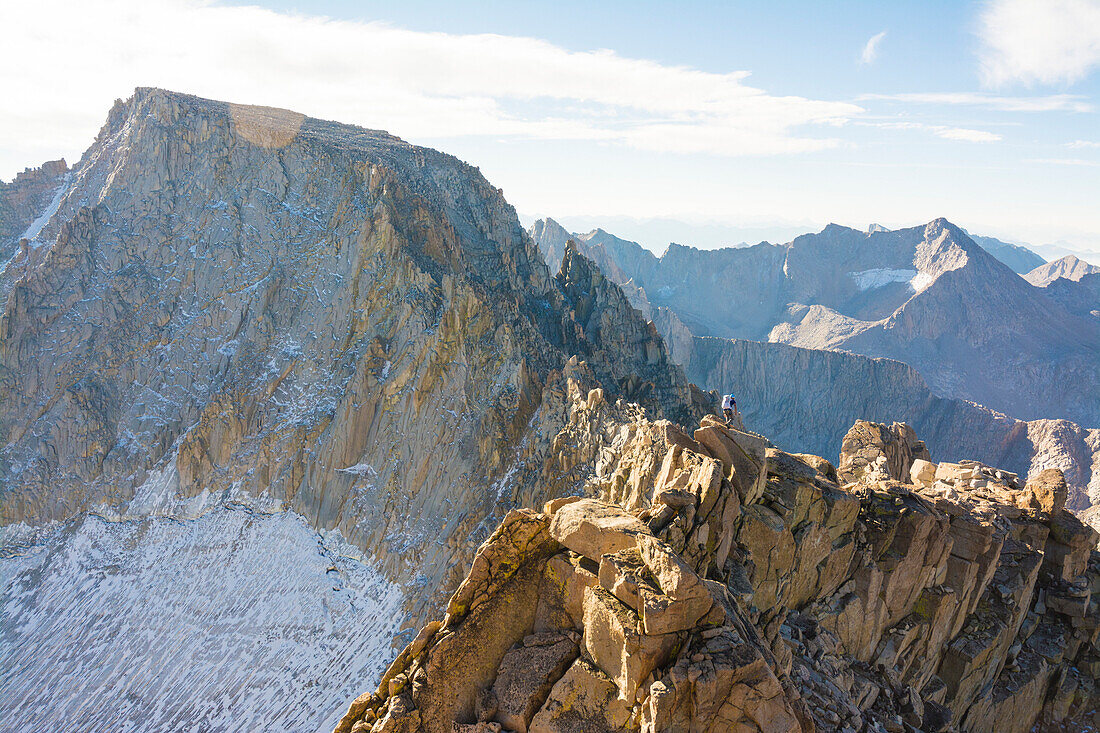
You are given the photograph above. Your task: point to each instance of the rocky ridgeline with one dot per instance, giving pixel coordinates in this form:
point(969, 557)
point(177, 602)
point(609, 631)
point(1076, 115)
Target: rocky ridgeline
point(712, 582)
point(808, 399)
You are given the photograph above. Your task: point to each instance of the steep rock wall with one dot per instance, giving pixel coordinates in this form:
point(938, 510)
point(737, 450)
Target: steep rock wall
point(260, 303)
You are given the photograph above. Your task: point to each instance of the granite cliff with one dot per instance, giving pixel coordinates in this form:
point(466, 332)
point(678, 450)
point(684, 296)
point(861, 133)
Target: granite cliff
point(340, 348)
point(709, 582)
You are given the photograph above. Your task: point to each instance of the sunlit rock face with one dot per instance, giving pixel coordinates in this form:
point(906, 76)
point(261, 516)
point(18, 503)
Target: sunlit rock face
point(714, 583)
point(245, 307)
point(290, 306)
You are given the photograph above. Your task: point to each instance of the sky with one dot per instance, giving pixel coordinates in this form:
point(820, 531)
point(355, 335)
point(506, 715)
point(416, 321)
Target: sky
point(703, 122)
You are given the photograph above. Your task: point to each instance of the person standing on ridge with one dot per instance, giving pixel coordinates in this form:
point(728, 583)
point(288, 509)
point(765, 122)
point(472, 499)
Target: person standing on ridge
point(729, 409)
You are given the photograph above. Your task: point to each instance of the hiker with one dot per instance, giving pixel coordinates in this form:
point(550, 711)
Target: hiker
point(729, 409)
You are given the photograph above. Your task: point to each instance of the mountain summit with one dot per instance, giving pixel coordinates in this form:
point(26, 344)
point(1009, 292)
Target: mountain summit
point(232, 314)
point(1068, 267)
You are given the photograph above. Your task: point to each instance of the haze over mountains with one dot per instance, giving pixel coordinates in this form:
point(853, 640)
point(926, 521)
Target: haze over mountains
point(973, 330)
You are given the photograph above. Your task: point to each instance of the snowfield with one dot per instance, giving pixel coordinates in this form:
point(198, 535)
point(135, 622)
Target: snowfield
point(232, 621)
point(877, 278)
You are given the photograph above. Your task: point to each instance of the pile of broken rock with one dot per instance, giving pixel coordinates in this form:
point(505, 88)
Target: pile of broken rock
point(748, 589)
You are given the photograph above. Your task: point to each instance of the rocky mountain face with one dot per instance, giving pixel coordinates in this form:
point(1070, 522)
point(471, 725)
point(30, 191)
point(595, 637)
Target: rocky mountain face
point(241, 310)
point(1080, 296)
point(1068, 267)
point(25, 200)
point(1021, 259)
point(26, 204)
point(268, 383)
point(927, 296)
point(806, 399)
point(708, 582)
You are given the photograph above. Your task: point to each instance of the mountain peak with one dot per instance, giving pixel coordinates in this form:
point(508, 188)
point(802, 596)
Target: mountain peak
point(1069, 267)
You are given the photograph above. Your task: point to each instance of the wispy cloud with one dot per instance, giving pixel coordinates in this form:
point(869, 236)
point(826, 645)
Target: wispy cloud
point(964, 134)
point(870, 49)
point(1047, 103)
point(1065, 161)
point(1083, 144)
point(419, 85)
point(1049, 42)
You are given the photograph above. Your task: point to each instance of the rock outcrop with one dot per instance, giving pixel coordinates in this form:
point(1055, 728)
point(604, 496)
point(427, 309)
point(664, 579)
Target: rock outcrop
point(707, 581)
point(24, 200)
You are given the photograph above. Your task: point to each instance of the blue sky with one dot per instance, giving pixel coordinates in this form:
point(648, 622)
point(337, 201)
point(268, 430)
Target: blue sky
point(736, 120)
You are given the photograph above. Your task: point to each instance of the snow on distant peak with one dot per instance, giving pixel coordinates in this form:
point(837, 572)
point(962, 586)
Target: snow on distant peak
point(39, 224)
point(882, 276)
point(921, 281)
point(878, 277)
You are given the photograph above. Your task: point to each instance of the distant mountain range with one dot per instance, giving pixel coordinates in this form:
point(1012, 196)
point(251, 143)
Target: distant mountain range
point(1021, 259)
point(976, 342)
point(927, 296)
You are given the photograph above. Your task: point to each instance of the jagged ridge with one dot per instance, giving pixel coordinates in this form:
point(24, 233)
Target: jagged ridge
point(718, 585)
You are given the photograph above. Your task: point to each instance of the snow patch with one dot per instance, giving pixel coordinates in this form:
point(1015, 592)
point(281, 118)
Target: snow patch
point(39, 224)
point(232, 622)
point(921, 281)
point(877, 278)
point(359, 469)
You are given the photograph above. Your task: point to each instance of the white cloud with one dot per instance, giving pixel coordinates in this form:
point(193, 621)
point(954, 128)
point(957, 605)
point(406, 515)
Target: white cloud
point(963, 134)
point(1065, 161)
point(419, 85)
point(1083, 144)
point(870, 49)
point(968, 135)
point(1048, 103)
point(1044, 41)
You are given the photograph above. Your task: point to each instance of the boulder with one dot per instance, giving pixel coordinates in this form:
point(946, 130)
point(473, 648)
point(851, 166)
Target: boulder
point(561, 592)
point(594, 529)
point(877, 452)
point(584, 700)
point(1047, 492)
point(683, 598)
point(743, 456)
point(625, 575)
point(922, 472)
